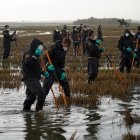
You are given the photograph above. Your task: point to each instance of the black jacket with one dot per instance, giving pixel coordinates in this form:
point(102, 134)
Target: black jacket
point(138, 38)
point(31, 67)
point(137, 35)
point(84, 35)
point(75, 36)
point(65, 33)
point(7, 38)
point(124, 43)
point(92, 48)
point(57, 36)
point(57, 56)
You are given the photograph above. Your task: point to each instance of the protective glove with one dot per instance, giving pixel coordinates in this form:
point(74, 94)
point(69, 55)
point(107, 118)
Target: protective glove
point(129, 49)
point(46, 74)
point(98, 41)
point(63, 76)
point(38, 51)
point(135, 55)
point(102, 49)
point(51, 67)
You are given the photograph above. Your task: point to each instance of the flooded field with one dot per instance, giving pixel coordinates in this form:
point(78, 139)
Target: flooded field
point(107, 110)
point(105, 121)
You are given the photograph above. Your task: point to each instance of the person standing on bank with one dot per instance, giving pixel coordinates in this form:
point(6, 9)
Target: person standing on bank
point(126, 46)
point(57, 35)
point(7, 38)
point(93, 51)
point(65, 32)
point(99, 33)
point(84, 37)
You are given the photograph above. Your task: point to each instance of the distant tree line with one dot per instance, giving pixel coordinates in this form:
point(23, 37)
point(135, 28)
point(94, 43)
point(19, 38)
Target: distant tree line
point(97, 21)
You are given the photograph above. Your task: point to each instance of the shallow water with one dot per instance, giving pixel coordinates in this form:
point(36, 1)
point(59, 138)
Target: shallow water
point(21, 33)
point(104, 122)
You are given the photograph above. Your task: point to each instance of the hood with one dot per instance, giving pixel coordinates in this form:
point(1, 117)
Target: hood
point(127, 31)
point(59, 44)
point(34, 44)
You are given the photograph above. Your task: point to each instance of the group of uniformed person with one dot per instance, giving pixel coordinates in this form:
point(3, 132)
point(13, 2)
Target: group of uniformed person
point(128, 44)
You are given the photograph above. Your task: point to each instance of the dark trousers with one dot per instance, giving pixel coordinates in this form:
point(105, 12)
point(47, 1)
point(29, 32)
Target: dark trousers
point(93, 64)
point(84, 48)
point(34, 91)
point(126, 61)
point(76, 45)
point(48, 82)
point(137, 62)
point(6, 52)
point(137, 59)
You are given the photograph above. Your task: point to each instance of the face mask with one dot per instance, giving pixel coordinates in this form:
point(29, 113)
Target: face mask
point(40, 47)
point(133, 33)
point(65, 49)
point(126, 34)
point(8, 29)
point(57, 30)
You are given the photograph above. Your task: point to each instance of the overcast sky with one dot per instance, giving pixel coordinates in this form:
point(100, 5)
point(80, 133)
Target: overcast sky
point(54, 10)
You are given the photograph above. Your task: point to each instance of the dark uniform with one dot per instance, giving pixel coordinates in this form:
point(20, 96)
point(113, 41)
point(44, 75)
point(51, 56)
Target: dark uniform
point(99, 33)
point(31, 69)
point(57, 55)
point(126, 56)
point(7, 38)
point(76, 41)
point(137, 38)
point(81, 28)
point(57, 36)
point(65, 33)
point(93, 53)
point(84, 37)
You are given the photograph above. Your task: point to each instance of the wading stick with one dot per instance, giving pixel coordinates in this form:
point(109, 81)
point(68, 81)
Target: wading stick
point(60, 88)
point(115, 70)
point(44, 69)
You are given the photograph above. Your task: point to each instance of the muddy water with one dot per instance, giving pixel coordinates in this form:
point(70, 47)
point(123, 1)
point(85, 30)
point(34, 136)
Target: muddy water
point(104, 122)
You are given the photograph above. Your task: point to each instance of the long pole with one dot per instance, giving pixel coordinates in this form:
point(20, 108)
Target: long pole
point(60, 88)
point(44, 69)
point(114, 68)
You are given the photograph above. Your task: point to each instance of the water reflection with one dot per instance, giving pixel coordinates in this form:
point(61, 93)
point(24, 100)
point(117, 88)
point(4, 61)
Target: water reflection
point(105, 121)
point(92, 128)
point(44, 126)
